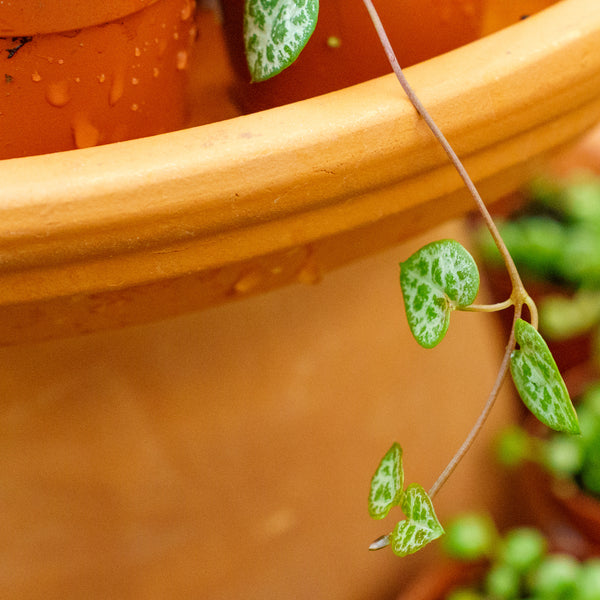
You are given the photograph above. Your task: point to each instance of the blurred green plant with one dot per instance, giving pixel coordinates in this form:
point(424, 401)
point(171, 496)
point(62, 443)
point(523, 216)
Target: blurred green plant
point(556, 239)
point(564, 456)
point(518, 564)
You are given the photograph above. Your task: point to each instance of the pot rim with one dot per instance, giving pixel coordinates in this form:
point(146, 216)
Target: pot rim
point(25, 19)
point(140, 230)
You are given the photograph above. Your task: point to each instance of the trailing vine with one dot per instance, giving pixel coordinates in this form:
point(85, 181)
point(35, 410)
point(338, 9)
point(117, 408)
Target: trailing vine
point(436, 280)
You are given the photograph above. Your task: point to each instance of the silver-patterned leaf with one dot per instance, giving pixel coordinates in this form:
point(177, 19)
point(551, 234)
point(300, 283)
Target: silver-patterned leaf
point(421, 525)
point(275, 32)
point(539, 382)
point(435, 280)
point(387, 483)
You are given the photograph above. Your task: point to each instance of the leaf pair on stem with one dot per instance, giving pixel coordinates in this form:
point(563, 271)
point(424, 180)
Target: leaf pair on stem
point(442, 277)
point(421, 524)
point(436, 280)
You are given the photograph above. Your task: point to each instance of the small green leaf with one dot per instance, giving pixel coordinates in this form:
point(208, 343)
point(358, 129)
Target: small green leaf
point(387, 483)
point(421, 525)
point(539, 382)
point(435, 280)
point(275, 32)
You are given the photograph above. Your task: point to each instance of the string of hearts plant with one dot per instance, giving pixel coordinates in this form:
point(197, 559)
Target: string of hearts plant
point(438, 279)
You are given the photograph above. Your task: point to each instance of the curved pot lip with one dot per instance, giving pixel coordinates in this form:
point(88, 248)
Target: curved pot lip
point(355, 171)
point(24, 19)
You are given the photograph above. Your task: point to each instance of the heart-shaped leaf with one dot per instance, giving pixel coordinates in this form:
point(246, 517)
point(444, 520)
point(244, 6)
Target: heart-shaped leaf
point(435, 280)
point(275, 32)
point(421, 525)
point(387, 483)
point(539, 382)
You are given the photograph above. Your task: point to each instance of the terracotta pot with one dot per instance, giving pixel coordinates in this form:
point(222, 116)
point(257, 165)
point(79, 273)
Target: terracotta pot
point(79, 74)
point(132, 232)
point(227, 453)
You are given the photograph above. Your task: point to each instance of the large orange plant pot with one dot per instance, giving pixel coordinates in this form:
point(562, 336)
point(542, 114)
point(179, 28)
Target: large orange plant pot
point(131, 232)
point(227, 453)
point(79, 74)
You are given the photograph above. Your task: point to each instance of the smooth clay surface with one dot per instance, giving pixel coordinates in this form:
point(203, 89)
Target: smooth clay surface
point(228, 453)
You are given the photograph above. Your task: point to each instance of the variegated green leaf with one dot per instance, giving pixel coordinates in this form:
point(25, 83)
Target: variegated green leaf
point(435, 280)
point(539, 382)
point(275, 32)
point(421, 525)
point(387, 483)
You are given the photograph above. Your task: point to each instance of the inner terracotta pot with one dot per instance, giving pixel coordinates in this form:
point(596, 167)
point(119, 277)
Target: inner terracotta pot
point(98, 81)
point(345, 50)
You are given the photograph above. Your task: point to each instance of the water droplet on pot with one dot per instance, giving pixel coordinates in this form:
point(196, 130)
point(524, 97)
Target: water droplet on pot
point(35, 76)
point(310, 272)
point(85, 134)
point(134, 81)
point(135, 107)
point(162, 47)
point(186, 11)
point(138, 52)
point(155, 72)
point(101, 78)
point(248, 282)
point(182, 60)
point(116, 89)
point(57, 93)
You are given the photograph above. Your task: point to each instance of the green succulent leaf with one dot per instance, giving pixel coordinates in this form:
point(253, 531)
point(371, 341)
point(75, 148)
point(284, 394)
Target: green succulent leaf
point(539, 382)
point(275, 32)
point(387, 483)
point(435, 280)
point(421, 525)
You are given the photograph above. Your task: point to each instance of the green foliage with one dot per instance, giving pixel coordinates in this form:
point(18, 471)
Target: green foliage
point(519, 566)
point(555, 578)
point(471, 536)
point(435, 280)
point(556, 239)
point(513, 447)
point(421, 525)
point(502, 582)
point(588, 582)
point(562, 317)
point(535, 242)
point(539, 382)
point(275, 32)
point(387, 483)
point(561, 454)
point(522, 549)
point(564, 455)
